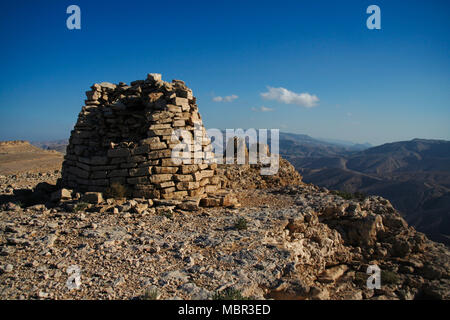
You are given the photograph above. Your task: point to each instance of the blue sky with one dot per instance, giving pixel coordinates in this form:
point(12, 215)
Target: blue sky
point(372, 86)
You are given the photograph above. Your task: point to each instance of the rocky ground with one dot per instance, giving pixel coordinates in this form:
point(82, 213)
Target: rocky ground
point(282, 242)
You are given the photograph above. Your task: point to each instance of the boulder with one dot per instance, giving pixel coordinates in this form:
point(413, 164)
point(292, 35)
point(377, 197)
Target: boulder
point(92, 197)
point(61, 195)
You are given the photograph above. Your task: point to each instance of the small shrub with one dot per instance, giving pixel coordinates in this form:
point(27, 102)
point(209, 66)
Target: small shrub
point(116, 191)
point(360, 195)
point(349, 196)
point(389, 277)
point(80, 206)
point(241, 224)
point(20, 204)
point(229, 294)
point(166, 213)
point(150, 294)
point(343, 194)
point(360, 278)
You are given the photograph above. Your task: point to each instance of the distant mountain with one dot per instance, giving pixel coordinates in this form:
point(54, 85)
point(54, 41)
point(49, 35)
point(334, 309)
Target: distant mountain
point(414, 175)
point(57, 145)
point(350, 145)
point(408, 156)
point(302, 145)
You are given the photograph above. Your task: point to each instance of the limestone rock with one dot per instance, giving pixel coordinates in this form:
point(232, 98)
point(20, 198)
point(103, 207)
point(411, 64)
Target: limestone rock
point(92, 197)
point(332, 274)
point(61, 194)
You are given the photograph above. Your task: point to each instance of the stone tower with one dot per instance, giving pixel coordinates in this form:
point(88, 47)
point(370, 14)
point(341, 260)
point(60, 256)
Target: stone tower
point(125, 135)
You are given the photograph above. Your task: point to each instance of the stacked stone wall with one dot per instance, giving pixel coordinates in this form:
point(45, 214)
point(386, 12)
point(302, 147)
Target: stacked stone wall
point(125, 136)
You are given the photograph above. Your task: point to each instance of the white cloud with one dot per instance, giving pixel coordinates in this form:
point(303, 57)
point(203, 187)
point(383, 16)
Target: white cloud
point(285, 96)
point(226, 98)
point(262, 109)
point(265, 109)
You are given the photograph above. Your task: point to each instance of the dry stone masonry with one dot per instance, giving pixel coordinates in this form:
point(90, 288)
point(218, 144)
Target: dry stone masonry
point(124, 136)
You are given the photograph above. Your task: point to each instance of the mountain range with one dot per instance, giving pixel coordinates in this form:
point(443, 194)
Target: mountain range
point(414, 175)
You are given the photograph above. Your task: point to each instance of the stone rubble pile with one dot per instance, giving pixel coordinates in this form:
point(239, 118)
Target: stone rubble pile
point(248, 175)
point(124, 136)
